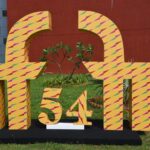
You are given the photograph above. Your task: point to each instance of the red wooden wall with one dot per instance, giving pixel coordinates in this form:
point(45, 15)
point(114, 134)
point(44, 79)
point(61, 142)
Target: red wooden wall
point(131, 16)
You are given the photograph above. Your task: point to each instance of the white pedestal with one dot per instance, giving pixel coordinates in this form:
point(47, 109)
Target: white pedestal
point(65, 126)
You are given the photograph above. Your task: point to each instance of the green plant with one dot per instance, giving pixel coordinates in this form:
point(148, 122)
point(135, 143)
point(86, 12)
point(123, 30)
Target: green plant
point(52, 55)
point(60, 80)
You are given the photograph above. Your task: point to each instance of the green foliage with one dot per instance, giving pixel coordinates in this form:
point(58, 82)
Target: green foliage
point(83, 53)
point(62, 80)
point(52, 55)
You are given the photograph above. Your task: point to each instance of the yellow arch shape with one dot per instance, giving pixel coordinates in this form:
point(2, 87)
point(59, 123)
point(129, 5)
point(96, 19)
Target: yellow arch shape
point(17, 69)
point(113, 71)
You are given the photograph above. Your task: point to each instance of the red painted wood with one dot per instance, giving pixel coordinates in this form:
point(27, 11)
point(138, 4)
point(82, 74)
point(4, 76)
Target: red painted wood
point(131, 16)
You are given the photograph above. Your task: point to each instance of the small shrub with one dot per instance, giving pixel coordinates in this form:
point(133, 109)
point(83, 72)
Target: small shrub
point(60, 80)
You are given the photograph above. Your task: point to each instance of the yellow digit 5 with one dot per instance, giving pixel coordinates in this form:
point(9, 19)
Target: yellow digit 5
point(55, 107)
point(82, 112)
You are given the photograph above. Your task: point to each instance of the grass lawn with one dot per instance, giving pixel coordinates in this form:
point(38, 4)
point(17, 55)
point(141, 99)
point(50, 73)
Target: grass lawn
point(68, 96)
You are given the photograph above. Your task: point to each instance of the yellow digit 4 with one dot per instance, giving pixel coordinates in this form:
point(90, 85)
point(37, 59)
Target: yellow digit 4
point(82, 112)
point(55, 107)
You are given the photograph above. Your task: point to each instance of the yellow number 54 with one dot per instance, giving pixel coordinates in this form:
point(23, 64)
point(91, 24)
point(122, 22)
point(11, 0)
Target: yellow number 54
point(56, 108)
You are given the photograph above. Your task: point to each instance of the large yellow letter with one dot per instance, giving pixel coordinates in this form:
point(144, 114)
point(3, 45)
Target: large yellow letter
point(17, 70)
point(113, 71)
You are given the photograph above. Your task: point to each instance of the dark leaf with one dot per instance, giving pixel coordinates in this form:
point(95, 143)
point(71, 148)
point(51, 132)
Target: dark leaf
point(79, 45)
point(43, 59)
point(80, 55)
point(45, 51)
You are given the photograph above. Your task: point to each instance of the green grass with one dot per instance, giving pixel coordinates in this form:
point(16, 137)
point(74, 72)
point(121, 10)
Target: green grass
point(69, 95)
point(56, 146)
